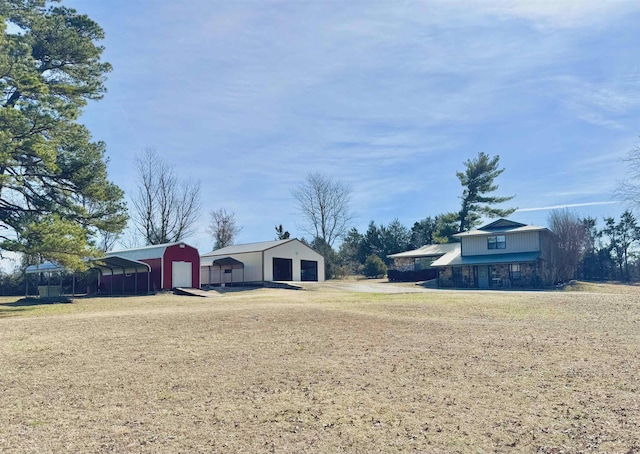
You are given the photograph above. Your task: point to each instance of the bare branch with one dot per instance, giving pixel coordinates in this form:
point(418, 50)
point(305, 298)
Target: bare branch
point(165, 210)
point(223, 228)
point(325, 206)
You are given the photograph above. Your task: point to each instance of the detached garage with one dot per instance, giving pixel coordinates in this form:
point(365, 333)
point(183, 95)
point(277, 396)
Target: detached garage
point(279, 260)
point(171, 265)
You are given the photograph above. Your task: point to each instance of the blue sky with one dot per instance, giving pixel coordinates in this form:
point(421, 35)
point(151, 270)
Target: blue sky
point(248, 97)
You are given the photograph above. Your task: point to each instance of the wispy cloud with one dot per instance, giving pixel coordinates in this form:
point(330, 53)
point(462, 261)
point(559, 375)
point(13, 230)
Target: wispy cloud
point(568, 205)
point(248, 97)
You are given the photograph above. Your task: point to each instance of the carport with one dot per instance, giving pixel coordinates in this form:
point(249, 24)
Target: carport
point(47, 268)
point(120, 266)
point(110, 266)
point(226, 265)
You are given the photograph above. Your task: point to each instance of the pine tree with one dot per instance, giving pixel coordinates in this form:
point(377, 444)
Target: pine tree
point(478, 181)
point(54, 192)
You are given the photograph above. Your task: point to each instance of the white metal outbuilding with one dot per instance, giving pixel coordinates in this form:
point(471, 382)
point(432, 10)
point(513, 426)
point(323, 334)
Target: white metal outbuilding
point(267, 261)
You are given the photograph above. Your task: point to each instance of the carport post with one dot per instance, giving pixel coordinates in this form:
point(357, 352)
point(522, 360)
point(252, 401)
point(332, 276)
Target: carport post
point(135, 281)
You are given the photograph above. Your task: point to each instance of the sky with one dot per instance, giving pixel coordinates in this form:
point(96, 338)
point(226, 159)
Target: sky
point(391, 97)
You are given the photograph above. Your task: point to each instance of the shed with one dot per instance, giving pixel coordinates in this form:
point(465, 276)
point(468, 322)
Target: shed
point(266, 261)
point(170, 265)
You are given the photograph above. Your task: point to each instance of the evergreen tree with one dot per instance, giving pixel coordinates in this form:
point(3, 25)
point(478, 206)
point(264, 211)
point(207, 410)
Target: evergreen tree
point(478, 182)
point(54, 192)
point(281, 233)
point(622, 237)
point(395, 238)
point(350, 253)
point(374, 267)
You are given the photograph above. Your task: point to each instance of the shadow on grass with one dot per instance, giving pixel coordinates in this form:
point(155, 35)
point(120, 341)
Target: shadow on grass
point(28, 302)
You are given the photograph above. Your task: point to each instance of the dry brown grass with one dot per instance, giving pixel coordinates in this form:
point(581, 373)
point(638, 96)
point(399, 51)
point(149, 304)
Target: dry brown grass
point(324, 371)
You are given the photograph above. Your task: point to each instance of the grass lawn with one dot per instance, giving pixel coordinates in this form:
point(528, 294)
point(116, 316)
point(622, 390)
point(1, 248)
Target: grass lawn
point(324, 370)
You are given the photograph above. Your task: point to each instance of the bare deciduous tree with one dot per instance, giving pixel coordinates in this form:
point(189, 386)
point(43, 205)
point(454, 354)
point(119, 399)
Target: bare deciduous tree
point(165, 209)
point(573, 239)
point(324, 204)
point(223, 228)
point(629, 189)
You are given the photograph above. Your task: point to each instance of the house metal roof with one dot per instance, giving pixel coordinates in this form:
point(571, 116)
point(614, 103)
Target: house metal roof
point(430, 250)
point(246, 248)
point(480, 232)
point(502, 224)
point(455, 259)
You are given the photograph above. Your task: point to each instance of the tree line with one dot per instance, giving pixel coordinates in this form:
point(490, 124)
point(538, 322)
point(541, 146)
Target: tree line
point(324, 205)
point(57, 202)
point(586, 251)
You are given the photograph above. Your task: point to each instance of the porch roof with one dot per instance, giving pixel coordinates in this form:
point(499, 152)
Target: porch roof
point(455, 259)
point(430, 250)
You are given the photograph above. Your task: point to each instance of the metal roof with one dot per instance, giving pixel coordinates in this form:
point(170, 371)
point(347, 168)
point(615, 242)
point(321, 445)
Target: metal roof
point(455, 259)
point(46, 267)
point(119, 265)
point(248, 247)
point(480, 232)
point(114, 264)
point(502, 224)
point(227, 261)
point(429, 250)
point(154, 251)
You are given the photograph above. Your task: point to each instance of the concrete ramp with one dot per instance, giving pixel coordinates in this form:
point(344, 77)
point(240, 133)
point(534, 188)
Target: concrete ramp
point(195, 292)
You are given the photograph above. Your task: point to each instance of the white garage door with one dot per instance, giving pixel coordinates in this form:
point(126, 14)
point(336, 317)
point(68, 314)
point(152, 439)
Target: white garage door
point(181, 274)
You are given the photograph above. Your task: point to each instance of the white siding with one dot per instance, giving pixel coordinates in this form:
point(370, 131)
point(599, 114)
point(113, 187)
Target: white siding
point(204, 275)
point(258, 265)
point(517, 242)
point(252, 268)
point(296, 251)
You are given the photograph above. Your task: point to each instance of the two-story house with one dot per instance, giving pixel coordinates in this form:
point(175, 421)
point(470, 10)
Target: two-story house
point(502, 254)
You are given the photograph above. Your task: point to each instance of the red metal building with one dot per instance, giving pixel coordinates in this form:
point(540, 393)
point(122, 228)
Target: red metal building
point(170, 266)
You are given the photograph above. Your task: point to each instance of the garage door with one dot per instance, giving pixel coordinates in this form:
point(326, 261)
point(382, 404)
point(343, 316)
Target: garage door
point(308, 270)
point(282, 269)
point(181, 274)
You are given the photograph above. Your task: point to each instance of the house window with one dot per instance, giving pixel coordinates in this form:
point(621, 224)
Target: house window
point(422, 263)
point(497, 242)
point(515, 271)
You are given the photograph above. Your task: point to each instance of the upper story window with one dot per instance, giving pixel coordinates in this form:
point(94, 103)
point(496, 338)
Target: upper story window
point(497, 242)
